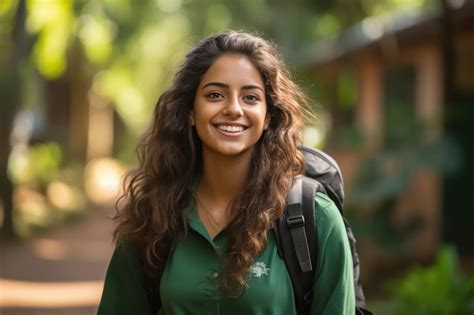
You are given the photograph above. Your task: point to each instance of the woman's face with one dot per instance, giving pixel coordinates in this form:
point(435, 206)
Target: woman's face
point(230, 111)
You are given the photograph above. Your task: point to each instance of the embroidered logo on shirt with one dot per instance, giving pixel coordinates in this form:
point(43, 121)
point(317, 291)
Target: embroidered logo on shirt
point(259, 269)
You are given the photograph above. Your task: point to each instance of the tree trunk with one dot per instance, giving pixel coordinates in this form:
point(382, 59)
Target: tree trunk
point(10, 83)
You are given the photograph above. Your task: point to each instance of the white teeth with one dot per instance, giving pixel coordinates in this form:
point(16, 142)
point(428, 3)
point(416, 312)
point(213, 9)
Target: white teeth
point(231, 128)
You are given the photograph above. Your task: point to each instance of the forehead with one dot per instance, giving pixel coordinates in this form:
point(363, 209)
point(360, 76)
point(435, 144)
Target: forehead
point(234, 70)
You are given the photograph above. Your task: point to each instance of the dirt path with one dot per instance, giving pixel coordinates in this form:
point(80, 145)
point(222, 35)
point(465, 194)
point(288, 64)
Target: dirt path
point(60, 272)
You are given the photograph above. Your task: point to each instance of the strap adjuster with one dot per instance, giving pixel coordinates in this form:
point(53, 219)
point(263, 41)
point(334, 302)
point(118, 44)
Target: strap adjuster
point(295, 221)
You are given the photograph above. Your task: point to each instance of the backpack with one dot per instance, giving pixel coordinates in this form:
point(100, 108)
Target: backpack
point(295, 231)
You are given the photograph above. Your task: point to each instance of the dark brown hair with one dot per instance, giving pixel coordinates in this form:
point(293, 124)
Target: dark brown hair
point(151, 210)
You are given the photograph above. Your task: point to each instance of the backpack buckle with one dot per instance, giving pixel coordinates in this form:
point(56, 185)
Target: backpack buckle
point(295, 221)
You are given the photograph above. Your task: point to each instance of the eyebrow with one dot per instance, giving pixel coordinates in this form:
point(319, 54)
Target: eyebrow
point(226, 86)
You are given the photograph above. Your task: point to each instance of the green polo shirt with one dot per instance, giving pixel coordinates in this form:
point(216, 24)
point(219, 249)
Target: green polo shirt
point(190, 281)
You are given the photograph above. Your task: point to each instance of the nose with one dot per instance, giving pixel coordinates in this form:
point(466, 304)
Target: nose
point(233, 107)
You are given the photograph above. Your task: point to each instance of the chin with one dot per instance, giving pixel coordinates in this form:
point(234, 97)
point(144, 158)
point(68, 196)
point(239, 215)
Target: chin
point(232, 151)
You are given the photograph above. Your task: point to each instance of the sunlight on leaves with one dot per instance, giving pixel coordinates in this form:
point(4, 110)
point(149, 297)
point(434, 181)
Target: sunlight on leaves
point(131, 104)
point(327, 26)
point(377, 8)
point(50, 52)
point(120, 9)
point(52, 20)
point(117, 85)
point(32, 209)
point(219, 17)
point(96, 33)
point(156, 40)
point(36, 165)
point(169, 5)
point(7, 6)
point(130, 84)
point(160, 47)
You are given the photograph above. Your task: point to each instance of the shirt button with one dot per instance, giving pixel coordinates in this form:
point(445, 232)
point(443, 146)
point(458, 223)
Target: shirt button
point(218, 248)
point(214, 275)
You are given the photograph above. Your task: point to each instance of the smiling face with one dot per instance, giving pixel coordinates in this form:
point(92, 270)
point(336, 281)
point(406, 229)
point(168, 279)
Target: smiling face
point(230, 109)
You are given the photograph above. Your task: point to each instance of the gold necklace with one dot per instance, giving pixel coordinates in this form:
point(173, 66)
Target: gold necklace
point(215, 225)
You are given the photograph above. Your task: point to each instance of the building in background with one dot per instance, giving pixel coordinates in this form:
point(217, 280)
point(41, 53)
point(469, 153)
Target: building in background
point(385, 73)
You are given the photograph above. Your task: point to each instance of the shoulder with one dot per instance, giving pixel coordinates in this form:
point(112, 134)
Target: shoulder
point(333, 286)
point(125, 257)
point(326, 211)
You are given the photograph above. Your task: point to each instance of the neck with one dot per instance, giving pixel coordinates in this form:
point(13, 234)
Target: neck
point(223, 177)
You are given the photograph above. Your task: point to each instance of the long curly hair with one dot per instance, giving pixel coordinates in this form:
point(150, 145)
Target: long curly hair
point(151, 211)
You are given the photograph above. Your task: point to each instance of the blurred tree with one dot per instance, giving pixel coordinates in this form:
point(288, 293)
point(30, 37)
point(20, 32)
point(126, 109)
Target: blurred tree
point(14, 43)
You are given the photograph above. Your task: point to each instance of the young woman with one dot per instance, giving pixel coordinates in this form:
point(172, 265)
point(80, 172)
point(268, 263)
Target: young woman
point(194, 225)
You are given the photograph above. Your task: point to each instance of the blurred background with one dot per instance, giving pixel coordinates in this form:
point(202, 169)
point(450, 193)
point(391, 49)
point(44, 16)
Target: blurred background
point(391, 83)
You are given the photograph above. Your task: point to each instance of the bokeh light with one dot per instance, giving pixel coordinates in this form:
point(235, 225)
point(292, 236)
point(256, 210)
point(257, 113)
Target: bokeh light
point(102, 180)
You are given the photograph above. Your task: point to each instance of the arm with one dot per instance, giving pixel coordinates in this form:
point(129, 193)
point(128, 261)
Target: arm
point(333, 288)
point(124, 291)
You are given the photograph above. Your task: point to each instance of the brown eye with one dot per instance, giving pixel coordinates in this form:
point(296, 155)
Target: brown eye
point(214, 96)
point(251, 98)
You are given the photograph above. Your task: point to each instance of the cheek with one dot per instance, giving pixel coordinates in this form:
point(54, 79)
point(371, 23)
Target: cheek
point(201, 123)
point(259, 117)
point(198, 115)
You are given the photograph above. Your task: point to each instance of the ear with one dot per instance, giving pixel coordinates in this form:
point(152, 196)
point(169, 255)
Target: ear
point(191, 118)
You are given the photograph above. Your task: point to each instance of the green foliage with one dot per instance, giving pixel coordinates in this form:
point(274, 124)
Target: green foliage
point(347, 90)
point(52, 21)
point(386, 176)
point(406, 151)
point(36, 166)
point(438, 289)
point(45, 160)
point(46, 192)
point(382, 7)
point(347, 137)
point(379, 228)
point(326, 26)
point(96, 33)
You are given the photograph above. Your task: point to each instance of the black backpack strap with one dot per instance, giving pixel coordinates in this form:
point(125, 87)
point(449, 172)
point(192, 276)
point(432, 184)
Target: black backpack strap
point(296, 236)
point(295, 221)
